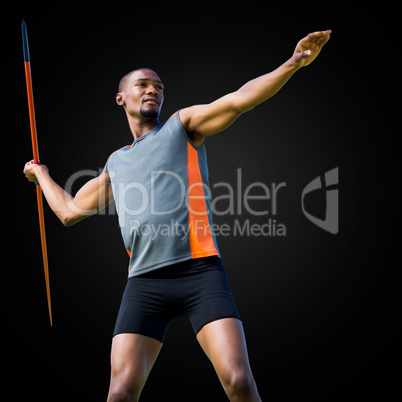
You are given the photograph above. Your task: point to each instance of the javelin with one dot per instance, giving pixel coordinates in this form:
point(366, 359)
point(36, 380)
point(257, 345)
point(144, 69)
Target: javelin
point(35, 150)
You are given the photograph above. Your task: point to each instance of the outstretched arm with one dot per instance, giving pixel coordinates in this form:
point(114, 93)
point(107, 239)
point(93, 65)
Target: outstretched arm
point(93, 196)
point(201, 121)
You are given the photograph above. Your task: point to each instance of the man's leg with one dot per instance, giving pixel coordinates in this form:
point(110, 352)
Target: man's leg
point(132, 358)
point(224, 343)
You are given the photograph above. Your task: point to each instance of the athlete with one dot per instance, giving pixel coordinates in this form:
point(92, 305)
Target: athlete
point(160, 186)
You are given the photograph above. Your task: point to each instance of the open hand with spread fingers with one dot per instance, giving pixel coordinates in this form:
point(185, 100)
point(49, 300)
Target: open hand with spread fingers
point(309, 47)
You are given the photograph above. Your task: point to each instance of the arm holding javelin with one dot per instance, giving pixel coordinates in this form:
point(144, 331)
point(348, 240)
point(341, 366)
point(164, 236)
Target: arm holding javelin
point(93, 196)
point(201, 121)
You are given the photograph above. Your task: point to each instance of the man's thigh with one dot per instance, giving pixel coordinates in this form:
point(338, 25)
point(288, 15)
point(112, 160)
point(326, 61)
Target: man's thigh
point(224, 343)
point(132, 358)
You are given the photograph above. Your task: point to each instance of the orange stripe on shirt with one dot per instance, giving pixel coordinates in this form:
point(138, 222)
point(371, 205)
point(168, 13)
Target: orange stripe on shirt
point(201, 241)
point(129, 255)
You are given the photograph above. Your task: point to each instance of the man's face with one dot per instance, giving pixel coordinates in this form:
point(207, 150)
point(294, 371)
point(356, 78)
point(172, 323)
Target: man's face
point(143, 94)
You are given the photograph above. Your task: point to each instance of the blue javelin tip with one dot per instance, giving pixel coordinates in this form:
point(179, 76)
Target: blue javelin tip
point(25, 41)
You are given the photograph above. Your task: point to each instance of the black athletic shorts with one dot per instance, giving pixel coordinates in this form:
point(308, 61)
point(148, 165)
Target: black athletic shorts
point(196, 289)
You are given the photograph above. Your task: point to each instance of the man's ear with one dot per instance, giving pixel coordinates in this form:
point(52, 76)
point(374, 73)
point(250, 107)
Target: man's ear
point(119, 99)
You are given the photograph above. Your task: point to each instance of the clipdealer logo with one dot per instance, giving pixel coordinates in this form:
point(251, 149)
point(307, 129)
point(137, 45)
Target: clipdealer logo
point(235, 201)
point(331, 182)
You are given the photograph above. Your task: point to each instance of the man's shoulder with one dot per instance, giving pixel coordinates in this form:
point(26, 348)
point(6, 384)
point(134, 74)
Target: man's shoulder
point(115, 154)
point(122, 149)
point(174, 123)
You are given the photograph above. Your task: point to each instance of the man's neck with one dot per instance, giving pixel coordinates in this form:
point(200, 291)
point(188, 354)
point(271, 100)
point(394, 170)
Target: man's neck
point(140, 127)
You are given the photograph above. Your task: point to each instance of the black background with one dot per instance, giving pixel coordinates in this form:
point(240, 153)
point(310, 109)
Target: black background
point(318, 309)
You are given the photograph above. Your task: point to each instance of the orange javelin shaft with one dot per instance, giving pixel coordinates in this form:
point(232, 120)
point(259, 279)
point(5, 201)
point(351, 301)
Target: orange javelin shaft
point(35, 150)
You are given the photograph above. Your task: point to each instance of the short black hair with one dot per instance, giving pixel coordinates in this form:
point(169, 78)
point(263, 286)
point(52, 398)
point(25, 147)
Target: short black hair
point(123, 82)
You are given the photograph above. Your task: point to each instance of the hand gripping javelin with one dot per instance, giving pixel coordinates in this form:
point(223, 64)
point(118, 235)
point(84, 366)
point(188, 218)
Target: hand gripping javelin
point(36, 160)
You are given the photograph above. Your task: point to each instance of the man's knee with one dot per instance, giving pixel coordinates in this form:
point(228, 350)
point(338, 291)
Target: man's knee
point(122, 392)
point(239, 382)
point(119, 395)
